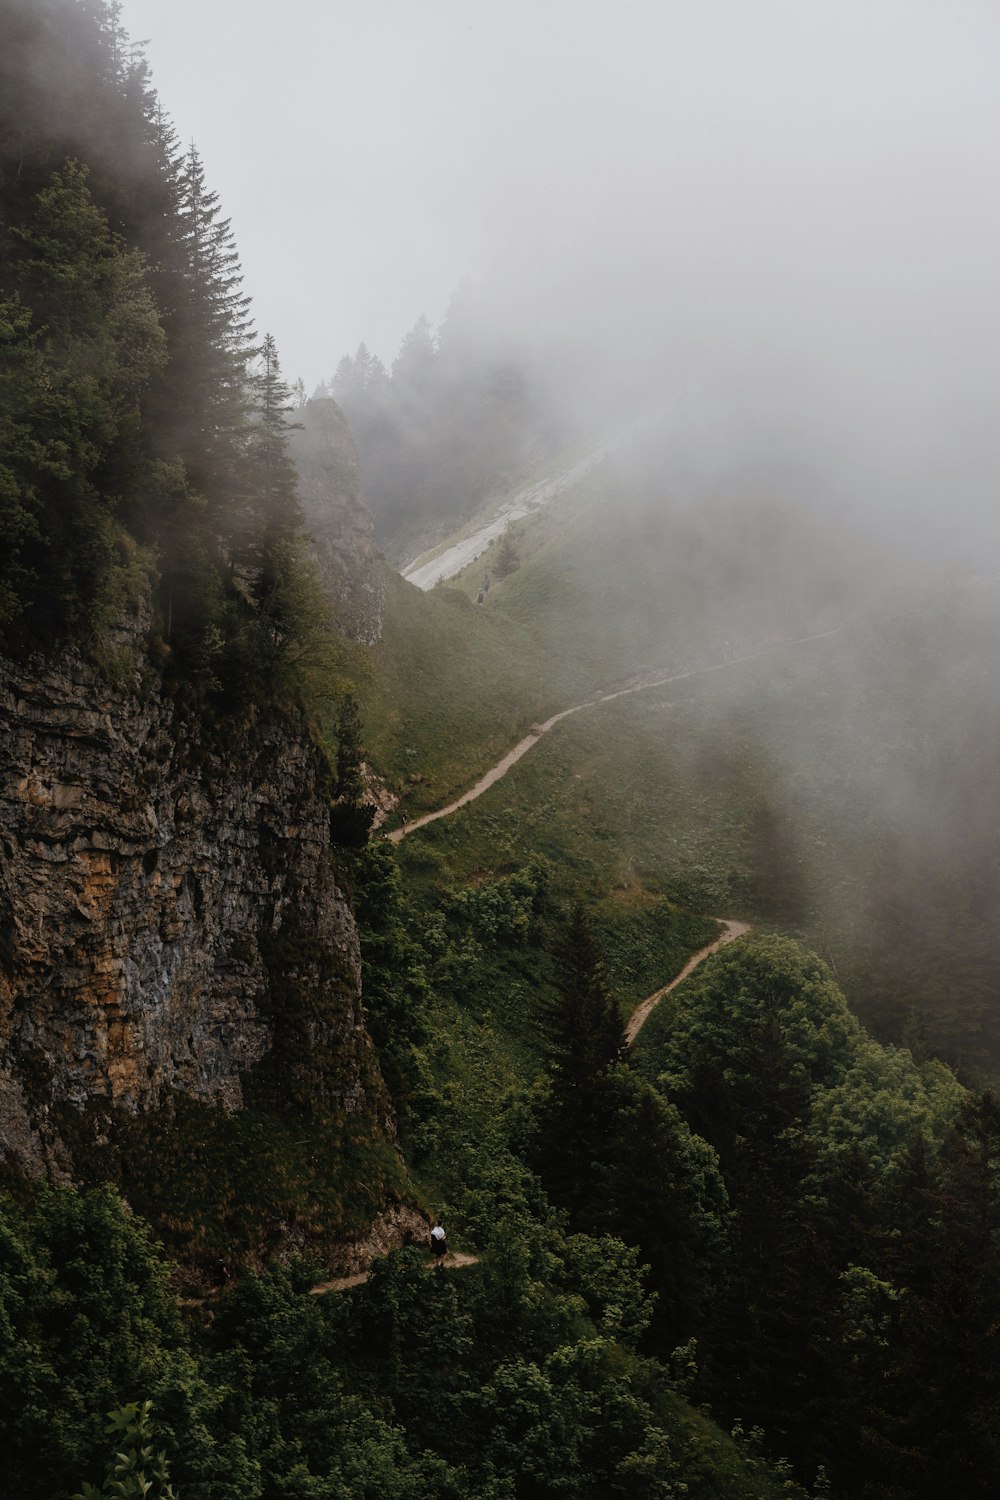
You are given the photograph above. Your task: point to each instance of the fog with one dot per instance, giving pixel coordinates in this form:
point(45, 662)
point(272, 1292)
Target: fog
point(788, 208)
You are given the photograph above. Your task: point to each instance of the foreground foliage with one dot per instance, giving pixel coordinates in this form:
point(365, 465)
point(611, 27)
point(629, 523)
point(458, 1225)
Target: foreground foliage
point(780, 1218)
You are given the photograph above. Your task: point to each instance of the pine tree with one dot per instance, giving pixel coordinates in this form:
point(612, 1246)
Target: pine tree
point(414, 366)
point(507, 560)
point(105, 17)
point(587, 1040)
point(69, 410)
point(938, 1432)
point(660, 1189)
point(378, 382)
point(270, 515)
point(21, 378)
point(212, 337)
point(360, 381)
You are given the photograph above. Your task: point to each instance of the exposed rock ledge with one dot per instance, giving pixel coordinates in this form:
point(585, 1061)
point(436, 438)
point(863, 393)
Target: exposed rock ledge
point(146, 866)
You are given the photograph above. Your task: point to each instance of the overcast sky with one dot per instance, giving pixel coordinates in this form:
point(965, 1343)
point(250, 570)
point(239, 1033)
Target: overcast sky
point(789, 191)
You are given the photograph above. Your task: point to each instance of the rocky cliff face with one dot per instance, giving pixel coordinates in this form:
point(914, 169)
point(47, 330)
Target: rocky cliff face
point(337, 518)
point(154, 875)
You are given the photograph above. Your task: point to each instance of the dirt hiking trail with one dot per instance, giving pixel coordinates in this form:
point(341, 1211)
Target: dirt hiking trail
point(653, 680)
point(644, 1009)
point(455, 1260)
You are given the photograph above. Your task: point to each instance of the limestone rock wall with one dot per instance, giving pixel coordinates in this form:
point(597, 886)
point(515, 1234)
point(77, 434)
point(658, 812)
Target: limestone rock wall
point(148, 866)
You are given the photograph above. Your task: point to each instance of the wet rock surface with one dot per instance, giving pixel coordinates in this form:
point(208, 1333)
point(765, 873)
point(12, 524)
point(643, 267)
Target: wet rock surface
point(151, 866)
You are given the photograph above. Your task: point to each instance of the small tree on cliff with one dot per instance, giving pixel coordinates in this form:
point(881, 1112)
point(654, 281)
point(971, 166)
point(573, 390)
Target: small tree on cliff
point(269, 517)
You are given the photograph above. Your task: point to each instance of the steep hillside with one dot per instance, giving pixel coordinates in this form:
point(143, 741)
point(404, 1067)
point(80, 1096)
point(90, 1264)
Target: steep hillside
point(179, 966)
point(753, 783)
point(245, 1049)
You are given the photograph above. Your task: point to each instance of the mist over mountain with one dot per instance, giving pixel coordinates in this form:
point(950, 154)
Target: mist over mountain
point(614, 888)
point(781, 209)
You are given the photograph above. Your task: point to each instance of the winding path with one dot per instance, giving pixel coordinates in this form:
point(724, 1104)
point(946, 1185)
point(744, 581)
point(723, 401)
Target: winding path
point(731, 929)
point(645, 1008)
point(522, 747)
point(456, 1260)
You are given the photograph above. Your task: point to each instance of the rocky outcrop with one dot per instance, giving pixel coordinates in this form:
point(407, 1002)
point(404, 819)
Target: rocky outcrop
point(154, 874)
point(337, 518)
point(397, 1225)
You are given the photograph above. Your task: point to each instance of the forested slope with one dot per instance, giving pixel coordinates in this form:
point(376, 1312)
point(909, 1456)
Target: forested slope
point(158, 616)
point(181, 1009)
point(759, 1217)
point(837, 787)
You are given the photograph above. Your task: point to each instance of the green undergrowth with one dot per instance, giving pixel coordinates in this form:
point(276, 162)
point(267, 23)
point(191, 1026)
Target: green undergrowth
point(606, 796)
point(518, 1377)
point(450, 690)
point(246, 1186)
point(465, 1036)
point(470, 1054)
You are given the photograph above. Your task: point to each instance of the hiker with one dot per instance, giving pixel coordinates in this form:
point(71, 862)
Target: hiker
point(220, 1274)
point(439, 1242)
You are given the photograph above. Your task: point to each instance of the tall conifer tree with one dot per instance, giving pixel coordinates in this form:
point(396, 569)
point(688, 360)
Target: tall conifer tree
point(213, 338)
point(587, 1040)
point(270, 515)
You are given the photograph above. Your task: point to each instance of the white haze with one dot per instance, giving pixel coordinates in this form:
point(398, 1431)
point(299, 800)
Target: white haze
point(787, 208)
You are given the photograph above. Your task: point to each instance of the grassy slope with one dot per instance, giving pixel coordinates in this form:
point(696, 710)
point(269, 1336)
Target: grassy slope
point(611, 584)
point(614, 580)
point(839, 790)
point(452, 688)
point(631, 801)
